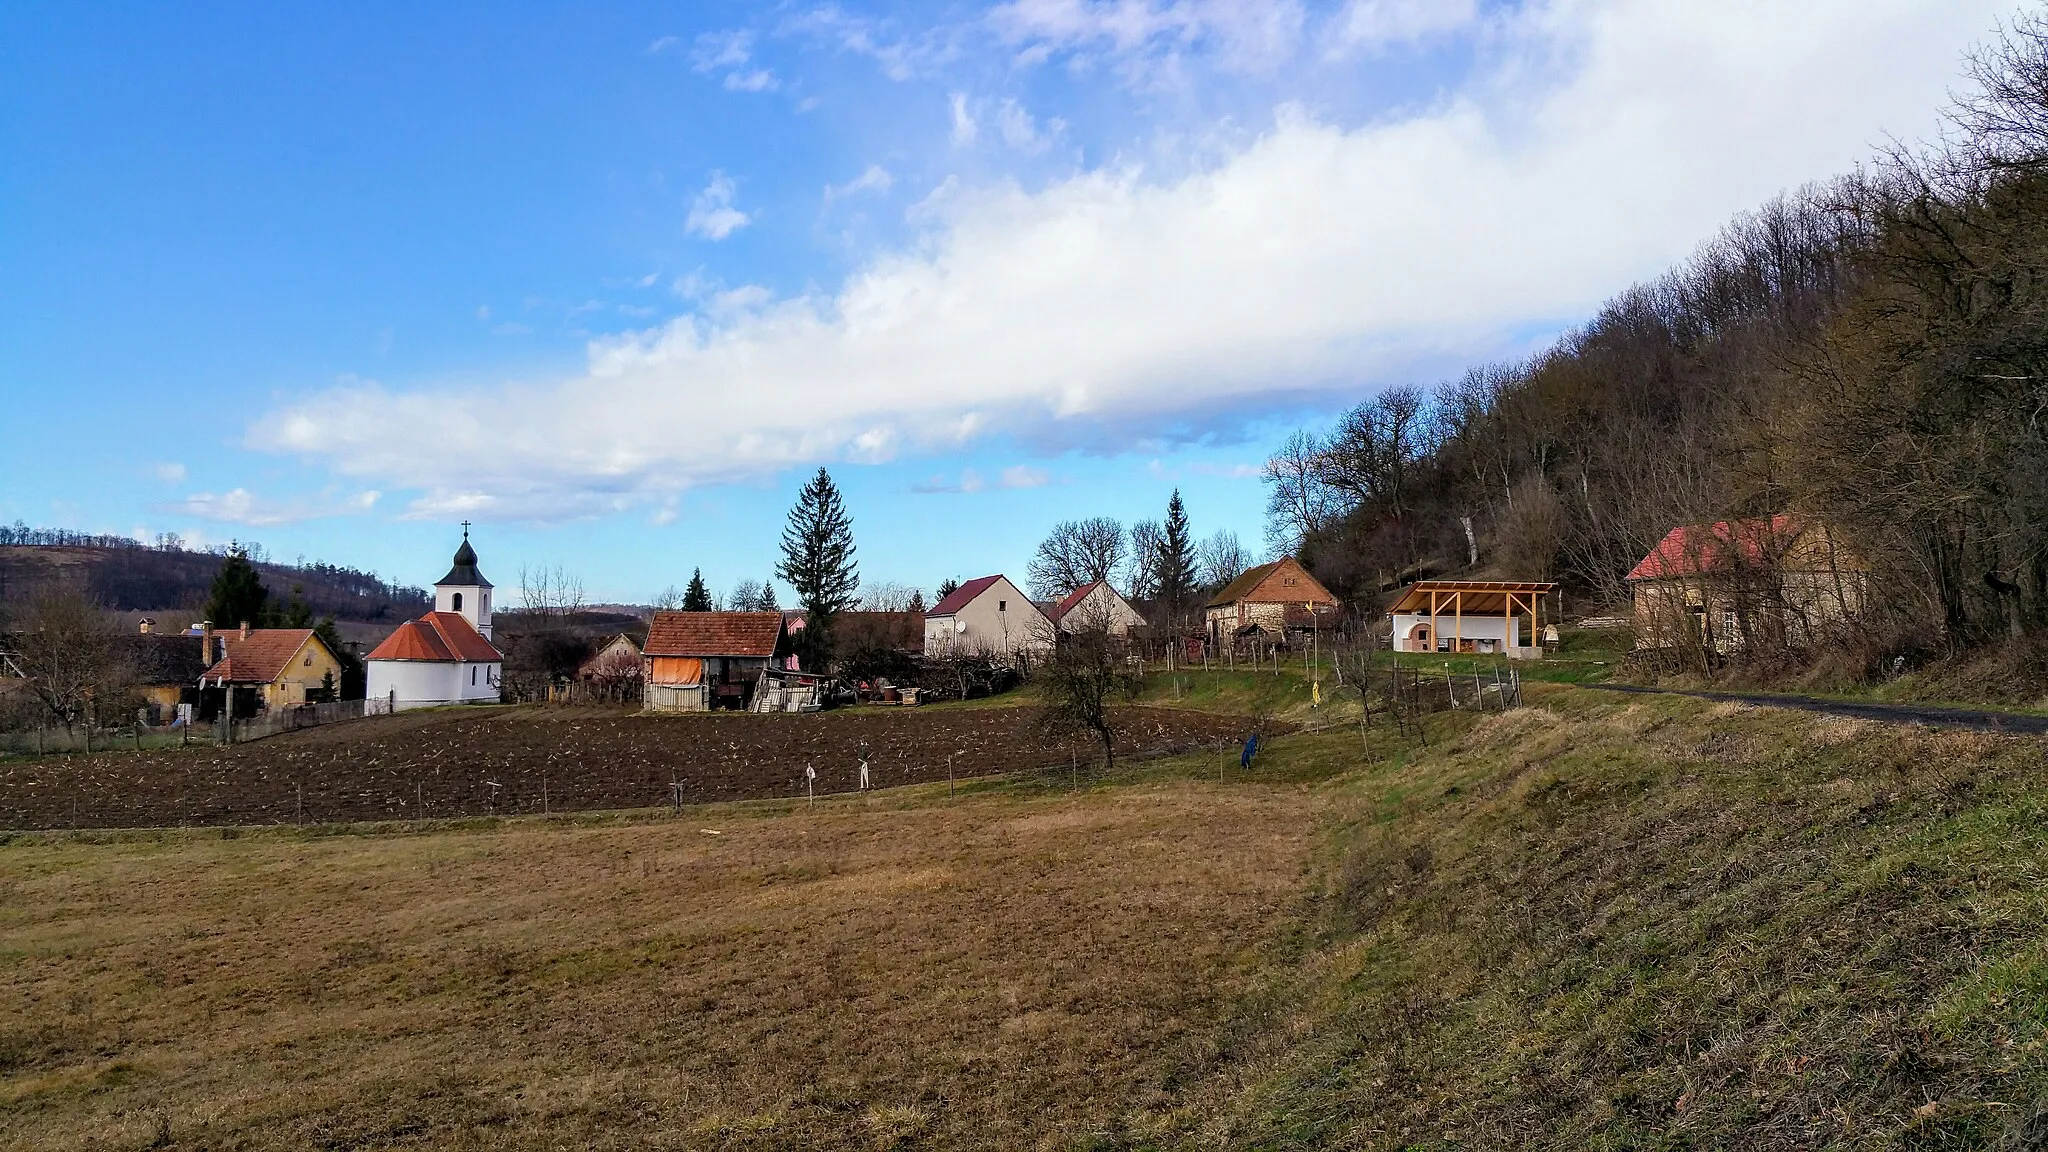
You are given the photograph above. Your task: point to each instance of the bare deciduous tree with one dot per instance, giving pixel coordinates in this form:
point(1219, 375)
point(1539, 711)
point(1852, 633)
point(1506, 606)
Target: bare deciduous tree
point(1222, 558)
point(66, 647)
point(1075, 553)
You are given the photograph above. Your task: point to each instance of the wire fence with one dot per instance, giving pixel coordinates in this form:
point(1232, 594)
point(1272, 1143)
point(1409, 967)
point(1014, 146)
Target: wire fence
point(139, 737)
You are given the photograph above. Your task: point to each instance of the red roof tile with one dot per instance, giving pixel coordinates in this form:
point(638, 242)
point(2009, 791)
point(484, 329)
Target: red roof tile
point(438, 637)
point(753, 634)
point(964, 595)
point(1691, 549)
point(1072, 601)
point(260, 658)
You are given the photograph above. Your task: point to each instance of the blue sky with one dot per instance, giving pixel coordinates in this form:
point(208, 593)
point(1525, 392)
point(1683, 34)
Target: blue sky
point(610, 280)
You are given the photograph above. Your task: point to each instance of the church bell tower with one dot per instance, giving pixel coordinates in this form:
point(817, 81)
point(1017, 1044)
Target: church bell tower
point(464, 591)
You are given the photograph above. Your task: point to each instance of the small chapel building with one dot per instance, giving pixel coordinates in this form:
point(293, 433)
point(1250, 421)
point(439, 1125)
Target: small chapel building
point(445, 656)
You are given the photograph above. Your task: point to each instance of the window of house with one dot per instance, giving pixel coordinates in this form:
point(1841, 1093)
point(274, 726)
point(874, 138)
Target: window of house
point(458, 601)
point(1002, 605)
point(472, 677)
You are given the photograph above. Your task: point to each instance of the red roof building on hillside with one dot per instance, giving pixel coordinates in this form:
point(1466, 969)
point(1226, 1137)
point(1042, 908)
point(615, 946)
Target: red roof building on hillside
point(988, 616)
point(1762, 582)
point(1692, 549)
point(1072, 599)
point(272, 668)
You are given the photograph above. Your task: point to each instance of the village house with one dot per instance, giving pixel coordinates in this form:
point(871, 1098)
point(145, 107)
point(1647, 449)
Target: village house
point(166, 667)
point(987, 616)
point(263, 669)
point(445, 656)
point(1092, 606)
point(1268, 601)
point(618, 659)
point(1760, 582)
point(697, 661)
point(1471, 616)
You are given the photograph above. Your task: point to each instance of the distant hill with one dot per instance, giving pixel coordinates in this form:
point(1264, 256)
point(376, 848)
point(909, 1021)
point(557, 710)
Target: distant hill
point(127, 575)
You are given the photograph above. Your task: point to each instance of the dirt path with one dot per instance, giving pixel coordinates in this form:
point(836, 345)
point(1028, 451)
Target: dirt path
point(1933, 716)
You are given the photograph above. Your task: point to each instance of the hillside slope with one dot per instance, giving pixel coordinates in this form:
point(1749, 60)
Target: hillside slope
point(140, 579)
point(1656, 923)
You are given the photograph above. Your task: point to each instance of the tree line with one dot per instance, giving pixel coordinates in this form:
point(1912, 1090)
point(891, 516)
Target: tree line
point(1870, 352)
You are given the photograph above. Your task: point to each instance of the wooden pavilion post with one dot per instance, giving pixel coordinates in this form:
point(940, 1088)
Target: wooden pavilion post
point(1432, 620)
point(1457, 621)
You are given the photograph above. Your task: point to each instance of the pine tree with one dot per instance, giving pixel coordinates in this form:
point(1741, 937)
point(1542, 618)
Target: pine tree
point(1175, 564)
point(916, 601)
point(766, 602)
point(238, 596)
point(947, 587)
point(296, 613)
point(817, 552)
point(697, 598)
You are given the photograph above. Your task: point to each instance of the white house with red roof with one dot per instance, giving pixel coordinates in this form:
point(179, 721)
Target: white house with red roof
point(1095, 606)
point(446, 656)
point(1775, 581)
point(987, 616)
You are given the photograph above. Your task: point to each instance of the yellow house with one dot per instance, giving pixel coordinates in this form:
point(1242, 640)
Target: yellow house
point(279, 666)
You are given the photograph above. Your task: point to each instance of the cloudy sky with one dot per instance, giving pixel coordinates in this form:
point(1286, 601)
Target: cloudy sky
point(610, 280)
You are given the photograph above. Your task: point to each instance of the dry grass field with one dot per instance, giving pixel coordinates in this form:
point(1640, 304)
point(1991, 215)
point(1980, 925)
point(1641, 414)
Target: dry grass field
point(1013, 968)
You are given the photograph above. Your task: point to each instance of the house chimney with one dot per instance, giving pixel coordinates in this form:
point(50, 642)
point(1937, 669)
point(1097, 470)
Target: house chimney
point(245, 629)
point(206, 642)
point(146, 626)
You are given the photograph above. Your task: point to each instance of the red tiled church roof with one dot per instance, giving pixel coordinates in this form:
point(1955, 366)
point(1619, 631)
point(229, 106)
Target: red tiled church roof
point(964, 595)
point(1691, 549)
point(438, 637)
point(752, 634)
point(261, 657)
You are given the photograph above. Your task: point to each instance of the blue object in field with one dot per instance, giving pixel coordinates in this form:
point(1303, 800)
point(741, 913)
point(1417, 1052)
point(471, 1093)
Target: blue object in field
point(1251, 749)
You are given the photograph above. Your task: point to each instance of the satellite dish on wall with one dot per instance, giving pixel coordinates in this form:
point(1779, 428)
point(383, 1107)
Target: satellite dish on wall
point(959, 625)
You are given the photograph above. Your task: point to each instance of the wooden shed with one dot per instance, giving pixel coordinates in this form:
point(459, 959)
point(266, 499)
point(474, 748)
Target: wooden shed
point(697, 661)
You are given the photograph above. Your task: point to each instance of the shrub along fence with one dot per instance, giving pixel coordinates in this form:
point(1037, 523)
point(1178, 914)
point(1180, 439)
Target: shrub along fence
point(81, 738)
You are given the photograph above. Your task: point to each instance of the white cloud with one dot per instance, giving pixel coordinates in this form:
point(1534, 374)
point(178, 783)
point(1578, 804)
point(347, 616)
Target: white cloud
point(758, 80)
point(716, 50)
point(1316, 257)
point(1021, 131)
point(662, 44)
point(1375, 25)
point(170, 472)
point(241, 506)
point(1148, 37)
point(483, 311)
point(712, 216)
point(1025, 476)
point(874, 178)
point(964, 128)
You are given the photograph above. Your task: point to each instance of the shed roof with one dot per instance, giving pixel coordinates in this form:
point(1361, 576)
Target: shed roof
point(261, 657)
point(964, 595)
point(438, 638)
point(1474, 597)
point(752, 634)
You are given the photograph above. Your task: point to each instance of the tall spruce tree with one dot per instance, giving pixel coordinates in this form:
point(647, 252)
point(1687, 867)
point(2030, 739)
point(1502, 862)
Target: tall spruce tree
point(697, 598)
point(765, 600)
point(238, 596)
point(1176, 563)
point(817, 560)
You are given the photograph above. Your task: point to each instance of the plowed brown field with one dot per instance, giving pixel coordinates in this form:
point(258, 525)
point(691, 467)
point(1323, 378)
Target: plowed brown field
point(470, 763)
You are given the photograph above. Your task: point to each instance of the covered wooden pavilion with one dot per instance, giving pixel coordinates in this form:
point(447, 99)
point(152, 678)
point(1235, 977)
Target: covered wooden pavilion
point(1471, 616)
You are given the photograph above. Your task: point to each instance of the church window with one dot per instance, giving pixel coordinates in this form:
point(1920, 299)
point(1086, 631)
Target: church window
point(472, 675)
point(458, 601)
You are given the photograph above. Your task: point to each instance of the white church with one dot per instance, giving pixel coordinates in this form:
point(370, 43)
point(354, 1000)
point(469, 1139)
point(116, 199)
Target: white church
point(446, 656)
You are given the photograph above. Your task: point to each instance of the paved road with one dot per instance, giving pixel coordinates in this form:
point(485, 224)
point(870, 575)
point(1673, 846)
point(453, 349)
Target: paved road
point(1927, 714)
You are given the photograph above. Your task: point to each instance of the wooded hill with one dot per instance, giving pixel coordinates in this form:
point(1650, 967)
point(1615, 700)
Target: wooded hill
point(1871, 353)
point(126, 575)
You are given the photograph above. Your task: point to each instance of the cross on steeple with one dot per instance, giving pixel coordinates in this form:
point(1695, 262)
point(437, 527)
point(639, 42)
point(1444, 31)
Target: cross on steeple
point(465, 529)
